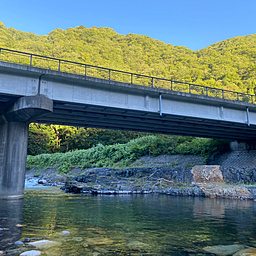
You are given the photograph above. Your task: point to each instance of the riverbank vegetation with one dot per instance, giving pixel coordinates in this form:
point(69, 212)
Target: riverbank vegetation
point(122, 155)
point(44, 139)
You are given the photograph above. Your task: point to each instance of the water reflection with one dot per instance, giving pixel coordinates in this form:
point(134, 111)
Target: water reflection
point(142, 224)
point(10, 216)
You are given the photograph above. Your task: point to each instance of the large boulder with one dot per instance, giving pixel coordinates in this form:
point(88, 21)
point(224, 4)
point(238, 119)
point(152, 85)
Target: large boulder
point(207, 174)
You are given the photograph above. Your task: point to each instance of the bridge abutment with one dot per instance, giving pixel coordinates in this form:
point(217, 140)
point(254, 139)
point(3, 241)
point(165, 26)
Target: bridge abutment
point(242, 145)
point(14, 123)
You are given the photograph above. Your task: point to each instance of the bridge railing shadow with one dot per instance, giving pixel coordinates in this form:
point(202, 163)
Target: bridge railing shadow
point(61, 65)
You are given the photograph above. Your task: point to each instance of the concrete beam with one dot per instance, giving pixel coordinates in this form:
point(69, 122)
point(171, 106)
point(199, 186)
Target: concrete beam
point(14, 124)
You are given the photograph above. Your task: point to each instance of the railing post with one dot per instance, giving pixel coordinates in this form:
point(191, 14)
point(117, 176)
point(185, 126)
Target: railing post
point(223, 95)
point(160, 104)
point(206, 91)
point(252, 100)
point(171, 85)
point(109, 74)
point(0, 53)
point(85, 70)
point(189, 88)
point(31, 60)
point(59, 65)
point(238, 96)
point(152, 82)
point(131, 78)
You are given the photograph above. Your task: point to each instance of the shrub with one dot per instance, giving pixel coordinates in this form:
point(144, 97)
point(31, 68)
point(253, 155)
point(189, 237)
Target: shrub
point(122, 155)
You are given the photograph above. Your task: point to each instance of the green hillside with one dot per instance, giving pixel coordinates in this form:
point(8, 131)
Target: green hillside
point(230, 64)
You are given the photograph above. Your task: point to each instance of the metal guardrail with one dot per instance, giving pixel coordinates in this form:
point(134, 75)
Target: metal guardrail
point(61, 65)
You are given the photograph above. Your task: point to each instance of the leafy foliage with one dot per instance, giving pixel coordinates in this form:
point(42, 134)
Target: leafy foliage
point(61, 139)
point(122, 155)
point(230, 64)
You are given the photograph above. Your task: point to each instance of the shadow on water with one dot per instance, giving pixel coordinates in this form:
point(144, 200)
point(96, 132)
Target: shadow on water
point(10, 215)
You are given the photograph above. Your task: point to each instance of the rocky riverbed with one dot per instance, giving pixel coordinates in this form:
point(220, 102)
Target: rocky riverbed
point(160, 175)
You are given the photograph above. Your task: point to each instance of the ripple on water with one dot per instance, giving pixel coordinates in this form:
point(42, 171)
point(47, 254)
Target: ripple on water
point(135, 225)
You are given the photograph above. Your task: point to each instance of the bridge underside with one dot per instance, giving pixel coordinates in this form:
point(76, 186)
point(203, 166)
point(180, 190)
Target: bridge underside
point(81, 115)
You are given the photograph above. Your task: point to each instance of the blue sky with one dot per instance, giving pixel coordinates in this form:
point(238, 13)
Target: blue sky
point(192, 23)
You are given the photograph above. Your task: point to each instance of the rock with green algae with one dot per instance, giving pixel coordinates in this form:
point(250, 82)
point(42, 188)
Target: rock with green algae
point(136, 244)
point(224, 250)
point(77, 239)
point(98, 241)
point(246, 252)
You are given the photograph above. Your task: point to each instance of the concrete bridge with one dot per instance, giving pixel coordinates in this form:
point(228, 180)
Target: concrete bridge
point(40, 89)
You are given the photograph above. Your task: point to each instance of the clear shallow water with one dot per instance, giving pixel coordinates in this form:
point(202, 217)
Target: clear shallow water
point(127, 225)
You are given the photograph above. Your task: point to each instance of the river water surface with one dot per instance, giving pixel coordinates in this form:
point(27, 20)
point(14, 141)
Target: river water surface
point(126, 225)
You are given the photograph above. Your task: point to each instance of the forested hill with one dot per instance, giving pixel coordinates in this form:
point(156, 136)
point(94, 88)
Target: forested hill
point(230, 64)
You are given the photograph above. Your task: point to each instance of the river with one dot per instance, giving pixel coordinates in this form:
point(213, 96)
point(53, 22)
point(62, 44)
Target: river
point(126, 225)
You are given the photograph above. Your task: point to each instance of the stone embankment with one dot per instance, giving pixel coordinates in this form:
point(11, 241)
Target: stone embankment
point(172, 175)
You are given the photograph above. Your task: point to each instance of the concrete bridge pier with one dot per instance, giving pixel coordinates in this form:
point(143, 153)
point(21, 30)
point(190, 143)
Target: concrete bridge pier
point(14, 123)
point(242, 145)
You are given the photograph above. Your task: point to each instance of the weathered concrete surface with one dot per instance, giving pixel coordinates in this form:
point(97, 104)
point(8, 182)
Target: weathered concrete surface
point(25, 109)
point(13, 142)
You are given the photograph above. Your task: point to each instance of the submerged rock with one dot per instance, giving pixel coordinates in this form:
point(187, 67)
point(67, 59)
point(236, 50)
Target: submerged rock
point(26, 240)
point(98, 241)
point(224, 250)
point(41, 242)
point(246, 252)
point(136, 244)
point(18, 243)
point(65, 232)
point(78, 239)
point(44, 244)
point(31, 253)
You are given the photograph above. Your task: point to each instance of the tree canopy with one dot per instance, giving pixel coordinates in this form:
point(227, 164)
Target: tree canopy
point(230, 64)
